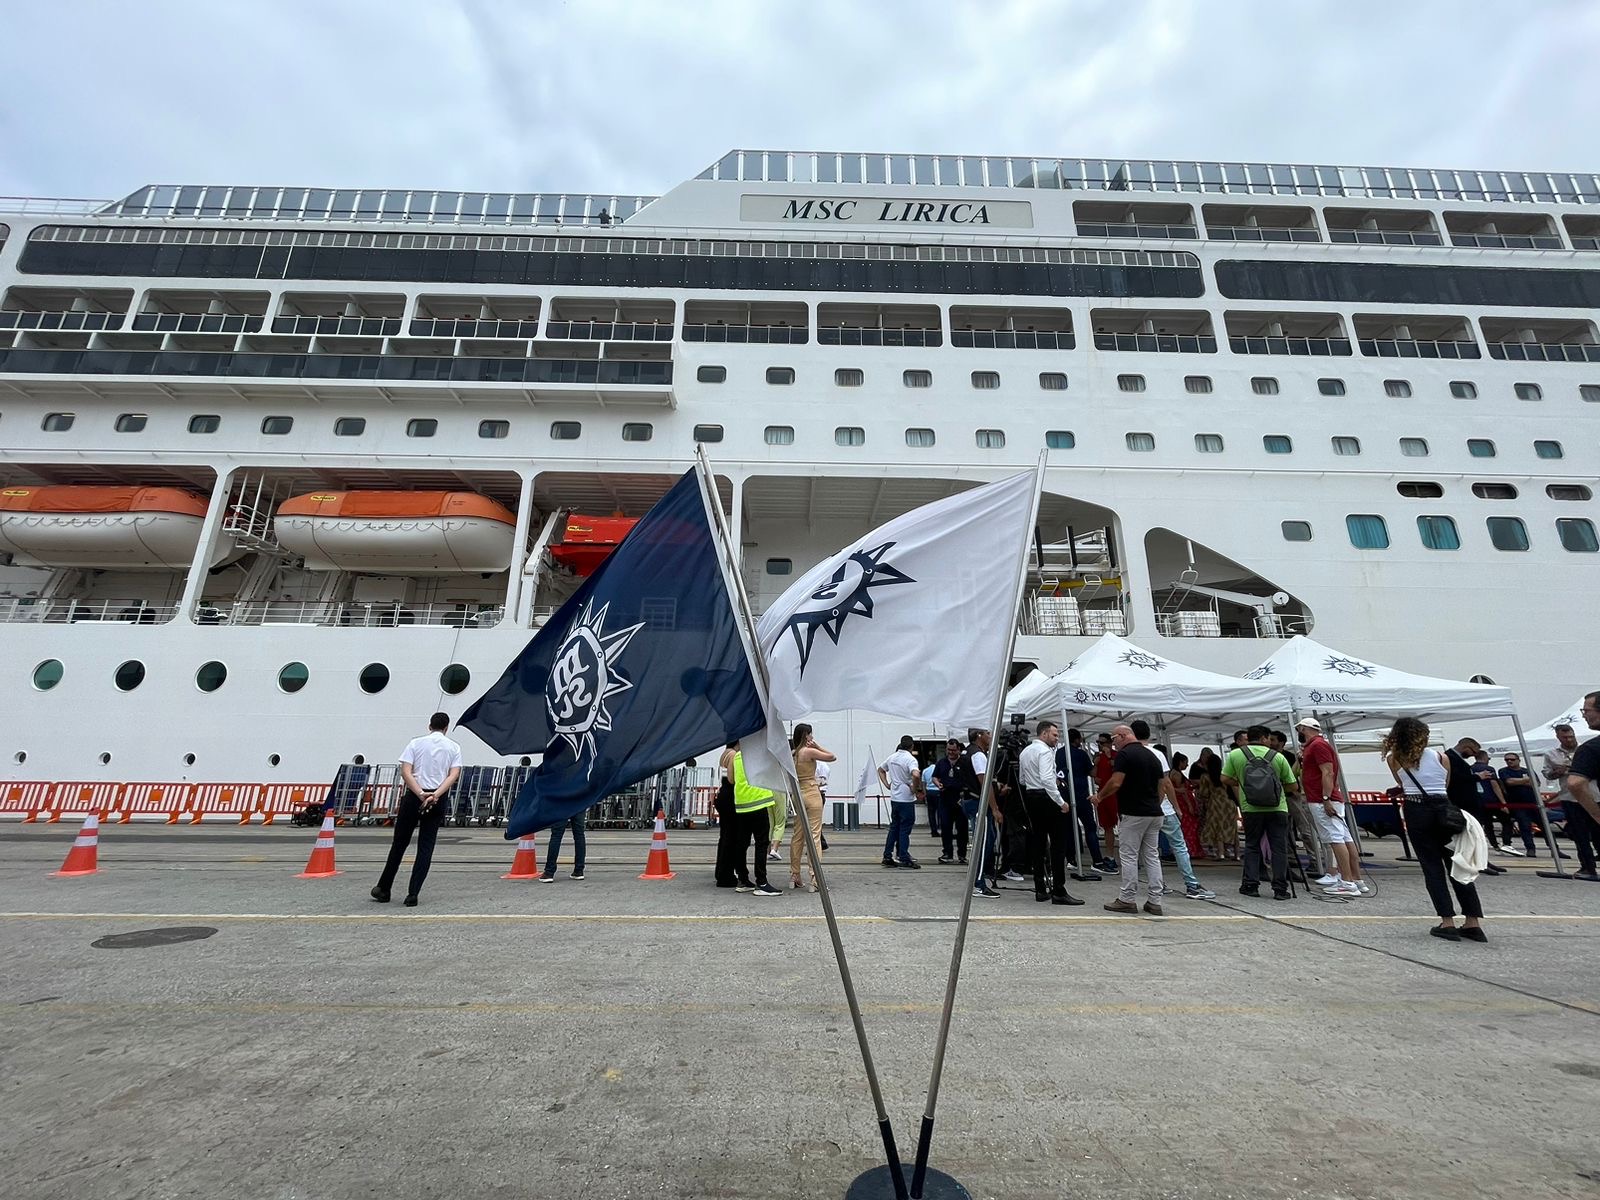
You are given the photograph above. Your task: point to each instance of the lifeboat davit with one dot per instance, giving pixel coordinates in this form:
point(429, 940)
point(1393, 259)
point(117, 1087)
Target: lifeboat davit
point(397, 533)
point(586, 541)
point(102, 527)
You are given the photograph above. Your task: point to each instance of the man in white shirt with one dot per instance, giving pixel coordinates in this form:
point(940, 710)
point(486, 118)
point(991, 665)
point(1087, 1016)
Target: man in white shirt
point(430, 766)
point(902, 779)
point(1036, 775)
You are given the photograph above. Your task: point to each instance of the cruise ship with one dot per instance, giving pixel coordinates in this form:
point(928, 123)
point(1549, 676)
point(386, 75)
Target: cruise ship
point(285, 469)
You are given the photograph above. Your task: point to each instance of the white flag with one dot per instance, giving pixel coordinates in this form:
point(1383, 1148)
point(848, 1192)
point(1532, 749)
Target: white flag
point(911, 620)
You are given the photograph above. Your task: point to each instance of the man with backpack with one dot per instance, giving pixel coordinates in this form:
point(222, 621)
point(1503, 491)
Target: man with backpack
point(1264, 780)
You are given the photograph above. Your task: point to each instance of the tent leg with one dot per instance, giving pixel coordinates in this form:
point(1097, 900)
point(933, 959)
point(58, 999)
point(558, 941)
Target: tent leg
point(1544, 813)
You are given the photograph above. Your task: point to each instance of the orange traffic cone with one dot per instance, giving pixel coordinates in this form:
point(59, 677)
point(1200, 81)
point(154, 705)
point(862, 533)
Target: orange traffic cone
point(320, 865)
point(656, 866)
point(82, 858)
point(526, 863)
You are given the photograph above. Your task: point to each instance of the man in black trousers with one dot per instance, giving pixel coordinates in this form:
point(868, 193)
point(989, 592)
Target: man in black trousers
point(430, 766)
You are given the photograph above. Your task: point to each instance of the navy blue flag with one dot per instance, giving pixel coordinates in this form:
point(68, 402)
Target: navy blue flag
point(642, 669)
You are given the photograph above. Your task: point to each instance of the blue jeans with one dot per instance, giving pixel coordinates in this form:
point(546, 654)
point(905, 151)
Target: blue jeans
point(984, 837)
point(576, 822)
point(902, 820)
point(1173, 828)
point(1088, 820)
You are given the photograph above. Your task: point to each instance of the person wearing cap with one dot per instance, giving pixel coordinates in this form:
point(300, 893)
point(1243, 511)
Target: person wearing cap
point(1516, 781)
point(1319, 778)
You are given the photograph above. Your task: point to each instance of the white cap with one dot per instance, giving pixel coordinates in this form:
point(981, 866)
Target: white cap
point(1308, 723)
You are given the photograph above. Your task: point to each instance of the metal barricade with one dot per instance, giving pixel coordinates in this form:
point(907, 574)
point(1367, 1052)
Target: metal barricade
point(475, 795)
point(24, 801)
point(164, 802)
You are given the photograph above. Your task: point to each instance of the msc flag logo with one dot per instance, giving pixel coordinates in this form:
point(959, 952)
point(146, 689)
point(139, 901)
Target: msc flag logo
point(845, 594)
point(583, 677)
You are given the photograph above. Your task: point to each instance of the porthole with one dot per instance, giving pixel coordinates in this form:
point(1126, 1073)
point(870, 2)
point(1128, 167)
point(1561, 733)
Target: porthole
point(210, 676)
point(273, 760)
point(524, 761)
point(359, 760)
point(374, 678)
point(1481, 679)
point(292, 677)
point(105, 758)
point(129, 675)
point(421, 427)
point(188, 760)
point(453, 679)
point(20, 757)
point(47, 674)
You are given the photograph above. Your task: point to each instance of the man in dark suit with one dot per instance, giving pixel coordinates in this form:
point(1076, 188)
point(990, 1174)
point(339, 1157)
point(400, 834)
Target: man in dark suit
point(1461, 786)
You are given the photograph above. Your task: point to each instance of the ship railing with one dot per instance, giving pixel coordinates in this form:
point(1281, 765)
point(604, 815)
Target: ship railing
point(1418, 348)
point(1385, 237)
point(65, 321)
point(1157, 343)
point(49, 205)
point(1317, 346)
point(1544, 351)
point(1507, 241)
point(753, 335)
point(1012, 339)
point(1120, 229)
point(1261, 233)
point(345, 614)
point(34, 610)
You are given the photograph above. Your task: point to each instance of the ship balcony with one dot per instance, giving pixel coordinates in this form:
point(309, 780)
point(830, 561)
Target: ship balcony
point(223, 323)
point(755, 324)
point(1583, 232)
point(1150, 331)
point(1381, 227)
point(345, 614)
point(997, 328)
point(472, 327)
point(476, 317)
point(1106, 219)
point(1261, 223)
point(1318, 335)
point(337, 326)
point(33, 610)
point(629, 320)
point(753, 335)
point(897, 325)
point(1503, 231)
point(1390, 336)
point(67, 310)
point(1524, 340)
point(609, 331)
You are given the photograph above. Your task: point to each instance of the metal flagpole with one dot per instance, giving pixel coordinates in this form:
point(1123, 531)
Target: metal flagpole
point(925, 1135)
point(1544, 813)
point(733, 578)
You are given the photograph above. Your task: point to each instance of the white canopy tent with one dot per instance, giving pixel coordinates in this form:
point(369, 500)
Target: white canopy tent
point(1543, 738)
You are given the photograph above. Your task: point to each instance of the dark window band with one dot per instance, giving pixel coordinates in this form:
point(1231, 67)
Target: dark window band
point(1392, 283)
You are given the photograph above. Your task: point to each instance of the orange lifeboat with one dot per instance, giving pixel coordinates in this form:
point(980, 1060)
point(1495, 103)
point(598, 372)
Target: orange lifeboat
point(397, 533)
point(101, 526)
point(587, 541)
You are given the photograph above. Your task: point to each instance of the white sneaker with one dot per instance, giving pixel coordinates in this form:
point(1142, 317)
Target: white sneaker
point(1012, 877)
point(1363, 887)
point(1342, 889)
point(1508, 848)
point(1327, 881)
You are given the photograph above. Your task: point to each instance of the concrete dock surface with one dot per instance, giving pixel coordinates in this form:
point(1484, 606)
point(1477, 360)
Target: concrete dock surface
point(613, 1037)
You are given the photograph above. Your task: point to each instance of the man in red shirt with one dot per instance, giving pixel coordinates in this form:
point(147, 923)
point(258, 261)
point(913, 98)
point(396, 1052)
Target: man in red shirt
point(1106, 810)
point(1320, 779)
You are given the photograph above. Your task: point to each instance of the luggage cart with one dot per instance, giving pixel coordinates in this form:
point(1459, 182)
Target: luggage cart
point(475, 795)
point(344, 795)
point(511, 781)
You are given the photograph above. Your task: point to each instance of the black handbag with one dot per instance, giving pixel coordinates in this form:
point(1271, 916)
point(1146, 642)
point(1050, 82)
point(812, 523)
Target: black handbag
point(1450, 818)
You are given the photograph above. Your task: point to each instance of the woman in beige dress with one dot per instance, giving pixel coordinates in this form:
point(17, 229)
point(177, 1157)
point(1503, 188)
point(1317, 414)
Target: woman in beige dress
point(807, 754)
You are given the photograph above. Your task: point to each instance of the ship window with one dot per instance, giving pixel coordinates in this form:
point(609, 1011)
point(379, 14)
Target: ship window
point(129, 675)
point(1414, 447)
point(1264, 385)
point(1589, 392)
point(991, 439)
point(1208, 443)
point(780, 375)
point(421, 427)
point(780, 566)
point(1142, 442)
point(1462, 389)
point(1331, 387)
point(849, 377)
point(1399, 389)
point(849, 435)
point(204, 423)
point(1568, 491)
point(494, 429)
point(917, 379)
point(132, 422)
point(1508, 533)
point(565, 431)
point(1347, 447)
point(210, 676)
point(1060, 439)
point(1528, 391)
point(1494, 491)
point(374, 678)
point(1052, 381)
point(453, 680)
point(1547, 449)
point(47, 674)
point(1419, 489)
point(1438, 533)
point(708, 433)
point(349, 427)
point(274, 759)
point(105, 758)
point(1278, 443)
point(188, 760)
point(986, 381)
point(919, 439)
point(57, 422)
point(1197, 385)
point(711, 374)
point(778, 435)
point(1367, 531)
point(637, 431)
point(1577, 535)
point(292, 677)
point(1480, 447)
point(1130, 383)
point(276, 426)
point(1296, 531)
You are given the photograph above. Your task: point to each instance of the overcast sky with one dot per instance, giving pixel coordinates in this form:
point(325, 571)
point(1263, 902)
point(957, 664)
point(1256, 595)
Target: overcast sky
point(630, 96)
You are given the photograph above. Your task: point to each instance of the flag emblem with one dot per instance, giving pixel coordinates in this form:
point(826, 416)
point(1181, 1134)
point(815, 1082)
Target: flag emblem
point(583, 676)
point(846, 593)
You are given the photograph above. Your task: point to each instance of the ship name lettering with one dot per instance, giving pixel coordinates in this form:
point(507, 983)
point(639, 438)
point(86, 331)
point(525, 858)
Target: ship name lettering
point(819, 210)
point(926, 212)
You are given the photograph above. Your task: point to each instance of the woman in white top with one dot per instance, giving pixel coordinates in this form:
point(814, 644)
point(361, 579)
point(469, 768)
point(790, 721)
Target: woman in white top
point(1422, 774)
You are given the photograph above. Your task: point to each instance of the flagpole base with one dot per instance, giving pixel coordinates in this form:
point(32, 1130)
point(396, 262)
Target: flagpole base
point(878, 1184)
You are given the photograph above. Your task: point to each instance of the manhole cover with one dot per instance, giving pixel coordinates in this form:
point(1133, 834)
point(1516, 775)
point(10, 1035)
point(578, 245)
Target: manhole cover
point(141, 938)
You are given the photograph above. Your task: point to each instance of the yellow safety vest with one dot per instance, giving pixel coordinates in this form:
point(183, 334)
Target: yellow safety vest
point(747, 797)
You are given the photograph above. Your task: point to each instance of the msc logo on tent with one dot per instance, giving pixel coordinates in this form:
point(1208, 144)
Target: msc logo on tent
point(1086, 697)
point(1330, 697)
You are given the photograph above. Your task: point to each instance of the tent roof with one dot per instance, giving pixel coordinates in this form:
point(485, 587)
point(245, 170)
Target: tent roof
point(1116, 680)
point(1543, 737)
point(1320, 679)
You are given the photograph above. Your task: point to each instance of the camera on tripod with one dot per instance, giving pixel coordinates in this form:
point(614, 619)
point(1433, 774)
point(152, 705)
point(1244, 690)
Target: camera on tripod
point(1013, 739)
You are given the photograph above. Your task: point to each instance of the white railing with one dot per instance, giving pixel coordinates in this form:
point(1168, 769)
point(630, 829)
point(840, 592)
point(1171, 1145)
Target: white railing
point(49, 206)
point(36, 611)
point(346, 614)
